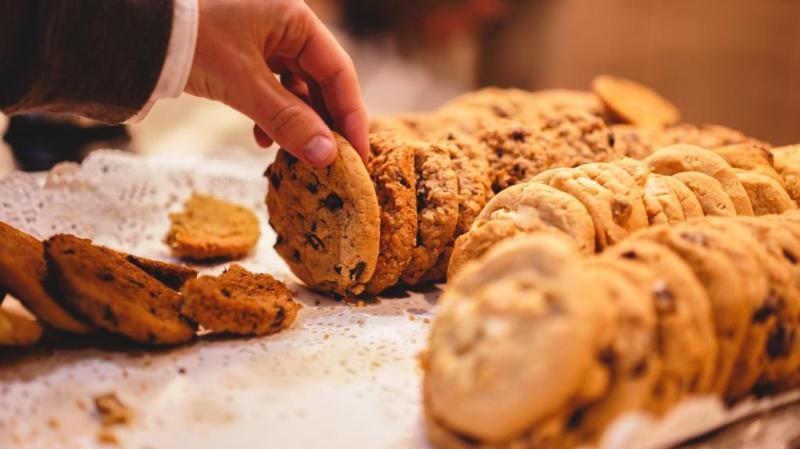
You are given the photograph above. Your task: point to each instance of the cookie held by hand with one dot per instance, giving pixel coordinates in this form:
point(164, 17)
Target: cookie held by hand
point(327, 220)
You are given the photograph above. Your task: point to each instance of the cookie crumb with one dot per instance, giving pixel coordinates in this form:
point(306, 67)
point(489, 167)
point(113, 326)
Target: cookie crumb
point(111, 410)
point(107, 436)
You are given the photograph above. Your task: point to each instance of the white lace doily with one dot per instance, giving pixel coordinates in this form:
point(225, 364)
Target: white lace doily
point(342, 377)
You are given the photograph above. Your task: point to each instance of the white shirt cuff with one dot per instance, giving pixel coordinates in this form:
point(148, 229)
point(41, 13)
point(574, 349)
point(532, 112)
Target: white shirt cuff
point(180, 56)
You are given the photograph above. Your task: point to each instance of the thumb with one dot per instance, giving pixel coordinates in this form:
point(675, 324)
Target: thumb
point(286, 119)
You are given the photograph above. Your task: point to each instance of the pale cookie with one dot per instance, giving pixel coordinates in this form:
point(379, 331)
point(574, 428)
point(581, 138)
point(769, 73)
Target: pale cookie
point(754, 157)
point(208, 228)
point(709, 193)
point(239, 302)
point(634, 103)
point(327, 220)
point(625, 188)
point(114, 294)
point(17, 329)
point(638, 170)
point(787, 163)
point(517, 304)
point(766, 195)
point(470, 163)
point(687, 344)
point(730, 308)
point(661, 202)
point(395, 180)
point(23, 273)
point(516, 153)
point(684, 158)
point(689, 203)
point(437, 208)
point(749, 260)
point(531, 201)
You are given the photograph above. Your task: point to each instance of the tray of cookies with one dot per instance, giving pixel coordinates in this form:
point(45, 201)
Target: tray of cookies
point(512, 270)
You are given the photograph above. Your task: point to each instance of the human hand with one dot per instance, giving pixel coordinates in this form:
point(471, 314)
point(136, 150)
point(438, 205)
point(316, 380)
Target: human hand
point(241, 44)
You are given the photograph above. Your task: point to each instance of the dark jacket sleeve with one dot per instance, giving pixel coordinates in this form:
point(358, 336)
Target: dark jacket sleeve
point(96, 58)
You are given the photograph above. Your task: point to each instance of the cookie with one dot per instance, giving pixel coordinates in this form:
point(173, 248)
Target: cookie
point(689, 203)
point(750, 261)
point(638, 170)
point(558, 100)
point(661, 202)
point(634, 141)
point(17, 329)
point(23, 273)
point(239, 302)
point(638, 142)
point(730, 308)
point(114, 294)
point(633, 103)
point(766, 195)
point(490, 102)
point(531, 201)
point(753, 157)
point(474, 385)
point(392, 172)
point(787, 163)
point(684, 158)
point(437, 208)
point(576, 137)
point(470, 164)
point(687, 344)
point(169, 274)
point(782, 347)
point(516, 153)
point(209, 228)
point(625, 188)
point(709, 193)
point(327, 220)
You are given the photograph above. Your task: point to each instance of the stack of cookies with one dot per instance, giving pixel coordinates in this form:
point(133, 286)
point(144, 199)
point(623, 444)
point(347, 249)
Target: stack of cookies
point(350, 230)
point(538, 345)
point(600, 204)
point(73, 286)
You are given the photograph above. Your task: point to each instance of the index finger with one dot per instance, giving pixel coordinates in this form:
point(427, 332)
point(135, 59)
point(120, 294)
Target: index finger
point(326, 62)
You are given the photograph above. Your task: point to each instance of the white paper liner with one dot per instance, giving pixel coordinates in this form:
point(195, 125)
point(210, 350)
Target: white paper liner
point(342, 377)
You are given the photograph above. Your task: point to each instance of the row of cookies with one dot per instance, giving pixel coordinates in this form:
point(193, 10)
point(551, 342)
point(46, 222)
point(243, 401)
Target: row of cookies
point(71, 285)
point(538, 345)
point(599, 204)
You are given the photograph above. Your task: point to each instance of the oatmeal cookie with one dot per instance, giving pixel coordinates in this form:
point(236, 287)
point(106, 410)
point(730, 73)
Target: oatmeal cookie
point(327, 220)
point(239, 302)
point(114, 294)
point(516, 153)
point(209, 228)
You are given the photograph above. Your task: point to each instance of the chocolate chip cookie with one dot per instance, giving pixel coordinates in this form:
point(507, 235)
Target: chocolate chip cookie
point(709, 193)
point(516, 153)
point(327, 220)
point(753, 157)
point(239, 302)
point(661, 202)
point(766, 195)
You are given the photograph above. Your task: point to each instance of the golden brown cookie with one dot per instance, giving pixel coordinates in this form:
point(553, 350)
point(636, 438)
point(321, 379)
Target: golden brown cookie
point(437, 208)
point(327, 220)
point(689, 203)
point(730, 308)
point(17, 329)
point(766, 195)
point(787, 163)
point(709, 193)
point(684, 158)
point(239, 302)
point(114, 294)
point(516, 153)
point(634, 103)
point(661, 202)
point(392, 171)
point(625, 188)
point(209, 228)
point(531, 201)
point(638, 170)
point(23, 273)
point(754, 157)
point(687, 344)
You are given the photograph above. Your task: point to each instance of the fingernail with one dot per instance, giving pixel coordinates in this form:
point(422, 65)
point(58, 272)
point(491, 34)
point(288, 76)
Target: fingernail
point(318, 150)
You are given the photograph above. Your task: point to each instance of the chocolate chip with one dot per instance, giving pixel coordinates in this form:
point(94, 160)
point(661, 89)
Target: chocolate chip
point(313, 188)
point(109, 316)
point(628, 255)
point(279, 318)
point(337, 268)
point(518, 135)
point(290, 160)
point(576, 418)
point(607, 357)
point(640, 369)
point(332, 202)
point(315, 242)
point(665, 301)
point(226, 292)
point(767, 309)
point(105, 276)
point(779, 343)
point(611, 140)
point(355, 273)
point(697, 239)
point(620, 210)
point(499, 112)
point(789, 256)
point(275, 180)
point(296, 256)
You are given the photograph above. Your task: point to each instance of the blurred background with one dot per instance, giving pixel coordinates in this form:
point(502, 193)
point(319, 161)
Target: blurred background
point(730, 62)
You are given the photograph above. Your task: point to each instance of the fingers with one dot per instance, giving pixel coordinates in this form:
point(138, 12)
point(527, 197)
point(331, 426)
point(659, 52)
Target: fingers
point(332, 69)
point(262, 139)
point(286, 119)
